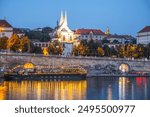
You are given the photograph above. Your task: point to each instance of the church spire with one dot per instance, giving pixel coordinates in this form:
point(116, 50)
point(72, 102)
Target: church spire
point(65, 19)
point(107, 31)
point(61, 18)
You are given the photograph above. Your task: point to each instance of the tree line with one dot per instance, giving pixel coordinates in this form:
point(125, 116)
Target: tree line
point(96, 48)
point(84, 48)
point(14, 43)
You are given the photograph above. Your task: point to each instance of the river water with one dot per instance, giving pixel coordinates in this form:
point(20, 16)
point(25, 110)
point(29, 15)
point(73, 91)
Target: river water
point(90, 89)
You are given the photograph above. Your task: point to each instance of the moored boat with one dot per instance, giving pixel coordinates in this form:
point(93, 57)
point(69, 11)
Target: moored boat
point(48, 73)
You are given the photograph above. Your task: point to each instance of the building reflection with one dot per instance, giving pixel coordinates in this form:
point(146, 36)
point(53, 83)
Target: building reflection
point(142, 87)
point(123, 85)
point(93, 89)
point(51, 90)
point(133, 88)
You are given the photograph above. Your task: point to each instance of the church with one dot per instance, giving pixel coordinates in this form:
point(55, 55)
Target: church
point(65, 35)
point(62, 32)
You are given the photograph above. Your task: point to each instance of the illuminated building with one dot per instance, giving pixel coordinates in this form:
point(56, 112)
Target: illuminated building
point(63, 33)
point(40, 44)
point(87, 34)
point(143, 36)
point(6, 30)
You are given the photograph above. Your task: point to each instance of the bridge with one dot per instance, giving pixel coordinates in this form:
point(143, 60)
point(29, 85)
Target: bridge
point(99, 64)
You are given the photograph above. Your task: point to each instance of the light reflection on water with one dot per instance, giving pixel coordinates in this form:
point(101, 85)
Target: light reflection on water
point(38, 90)
point(92, 89)
point(118, 88)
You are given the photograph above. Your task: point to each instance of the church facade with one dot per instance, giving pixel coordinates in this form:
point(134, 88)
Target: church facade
point(62, 32)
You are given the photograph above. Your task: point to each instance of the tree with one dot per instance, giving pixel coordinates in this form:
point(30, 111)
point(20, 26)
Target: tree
point(75, 50)
point(52, 49)
point(13, 43)
point(24, 44)
point(3, 43)
point(106, 50)
point(59, 47)
point(121, 51)
point(92, 46)
point(113, 51)
point(105, 41)
point(100, 51)
point(140, 50)
point(83, 50)
point(80, 50)
point(115, 42)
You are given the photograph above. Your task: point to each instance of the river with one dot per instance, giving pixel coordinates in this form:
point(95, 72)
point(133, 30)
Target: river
point(90, 89)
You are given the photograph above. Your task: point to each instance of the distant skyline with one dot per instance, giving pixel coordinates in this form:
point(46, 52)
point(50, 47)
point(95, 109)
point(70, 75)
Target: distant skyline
point(122, 16)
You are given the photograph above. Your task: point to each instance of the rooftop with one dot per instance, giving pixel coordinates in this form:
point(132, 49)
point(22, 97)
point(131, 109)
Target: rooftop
point(145, 29)
point(88, 31)
point(4, 23)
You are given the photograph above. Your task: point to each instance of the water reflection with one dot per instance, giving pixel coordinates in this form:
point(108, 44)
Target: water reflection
point(25, 90)
point(118, 88)
point(92, 89)
point(3, 91)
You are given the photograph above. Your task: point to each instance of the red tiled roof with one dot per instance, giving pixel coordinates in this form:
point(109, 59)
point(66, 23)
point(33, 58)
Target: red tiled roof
point(4, 23)
point(145, 29)
point(88, 31)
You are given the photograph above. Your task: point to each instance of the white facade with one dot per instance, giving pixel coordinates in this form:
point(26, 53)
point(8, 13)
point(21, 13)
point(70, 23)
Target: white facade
point(41, 44)
point(65, 35)
point(89, 36)
point(143, 38)
point(6, 32)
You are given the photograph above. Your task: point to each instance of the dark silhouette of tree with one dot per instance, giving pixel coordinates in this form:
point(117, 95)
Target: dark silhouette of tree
point(106, 50)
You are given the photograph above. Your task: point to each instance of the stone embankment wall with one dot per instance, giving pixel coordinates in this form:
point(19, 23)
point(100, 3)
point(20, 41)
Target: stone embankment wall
point(108, 65)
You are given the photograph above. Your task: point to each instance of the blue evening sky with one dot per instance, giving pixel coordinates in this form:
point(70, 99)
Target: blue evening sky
point(122, 16)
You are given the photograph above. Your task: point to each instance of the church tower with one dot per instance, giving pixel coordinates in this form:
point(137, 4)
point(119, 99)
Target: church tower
point(61, 18)
point(66, 35)
point(107, 31)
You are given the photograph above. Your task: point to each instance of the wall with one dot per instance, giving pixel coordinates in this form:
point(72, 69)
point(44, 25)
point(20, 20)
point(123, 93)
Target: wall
point(87, 62)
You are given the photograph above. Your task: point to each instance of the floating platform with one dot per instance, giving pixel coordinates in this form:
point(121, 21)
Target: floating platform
point(9, 77)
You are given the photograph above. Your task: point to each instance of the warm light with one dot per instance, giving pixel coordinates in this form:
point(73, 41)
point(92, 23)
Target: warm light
point(45, 52)
point(29, 66)
point(124, 68)
point(1, 29)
